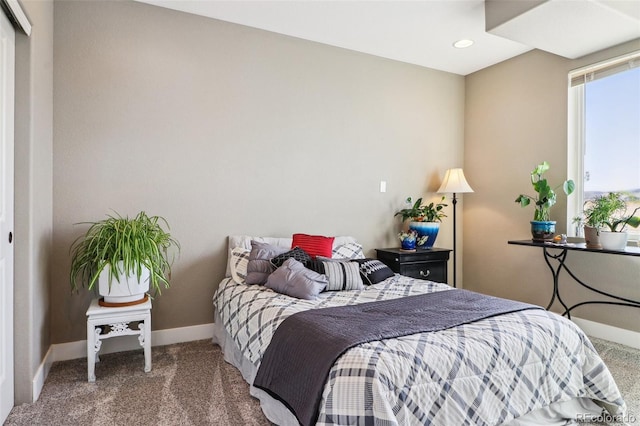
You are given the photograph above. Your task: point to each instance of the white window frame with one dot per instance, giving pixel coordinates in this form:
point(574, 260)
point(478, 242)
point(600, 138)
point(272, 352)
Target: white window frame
point(576, 128)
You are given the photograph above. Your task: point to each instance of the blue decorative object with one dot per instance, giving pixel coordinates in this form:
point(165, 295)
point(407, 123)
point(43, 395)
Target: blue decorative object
point(427, 233)
point(543, 230)
point(408, 244)
point(408, 240)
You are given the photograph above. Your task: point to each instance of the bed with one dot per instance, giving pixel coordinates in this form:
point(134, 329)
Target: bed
point(527, 367)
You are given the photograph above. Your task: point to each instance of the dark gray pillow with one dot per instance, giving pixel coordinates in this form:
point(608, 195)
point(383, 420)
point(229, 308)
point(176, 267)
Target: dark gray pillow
point(259, 267)
point(373, 271)
point(297, 253)
point(294, 280)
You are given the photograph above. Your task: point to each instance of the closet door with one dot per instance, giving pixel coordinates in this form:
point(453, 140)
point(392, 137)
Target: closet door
point(7, 59)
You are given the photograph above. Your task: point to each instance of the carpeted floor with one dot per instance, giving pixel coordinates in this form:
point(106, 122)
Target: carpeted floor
point(191, 384)
point(624, 364)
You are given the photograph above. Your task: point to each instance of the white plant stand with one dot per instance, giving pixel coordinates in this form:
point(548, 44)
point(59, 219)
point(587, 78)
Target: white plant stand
point(118, 320)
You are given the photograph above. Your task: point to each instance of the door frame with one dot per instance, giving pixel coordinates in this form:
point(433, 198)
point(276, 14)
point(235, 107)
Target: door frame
point(7, 106)
point(13, 19)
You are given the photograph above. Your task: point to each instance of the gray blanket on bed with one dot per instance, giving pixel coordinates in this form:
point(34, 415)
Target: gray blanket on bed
point(296, 364)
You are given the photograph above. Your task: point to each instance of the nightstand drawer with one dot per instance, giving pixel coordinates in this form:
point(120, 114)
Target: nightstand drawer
point(432, 271)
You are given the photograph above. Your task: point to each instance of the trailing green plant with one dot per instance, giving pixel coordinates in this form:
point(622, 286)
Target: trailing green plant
point(137, 243)
point(546, 195)
point(417, 212)
point(610, 211)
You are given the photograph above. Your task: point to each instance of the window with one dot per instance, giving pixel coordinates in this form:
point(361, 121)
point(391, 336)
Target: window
point(604, 134)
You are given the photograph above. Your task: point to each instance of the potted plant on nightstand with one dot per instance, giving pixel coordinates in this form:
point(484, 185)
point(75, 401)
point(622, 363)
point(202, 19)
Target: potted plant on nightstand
point(424, 220)
point(542, 227)
point(608, 215)
point(123, 258)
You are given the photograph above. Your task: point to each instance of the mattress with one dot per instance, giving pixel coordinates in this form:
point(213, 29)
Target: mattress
point(505, 369)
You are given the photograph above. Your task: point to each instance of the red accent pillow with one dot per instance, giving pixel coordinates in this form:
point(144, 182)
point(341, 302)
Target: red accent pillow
point(315, 245)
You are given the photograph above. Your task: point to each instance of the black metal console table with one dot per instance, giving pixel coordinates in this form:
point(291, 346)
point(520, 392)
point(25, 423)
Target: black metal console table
point(560, 254)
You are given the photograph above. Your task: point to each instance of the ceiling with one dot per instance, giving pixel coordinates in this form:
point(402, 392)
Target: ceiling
point(423, 32)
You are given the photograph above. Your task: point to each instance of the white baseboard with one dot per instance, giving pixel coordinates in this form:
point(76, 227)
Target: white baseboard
point(78, 349)
point(609, 332)
point(41, 375)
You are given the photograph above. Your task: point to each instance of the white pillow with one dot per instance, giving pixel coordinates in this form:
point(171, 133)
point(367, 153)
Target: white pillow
point(238, 264)
point(347, 251)
point(244, 241)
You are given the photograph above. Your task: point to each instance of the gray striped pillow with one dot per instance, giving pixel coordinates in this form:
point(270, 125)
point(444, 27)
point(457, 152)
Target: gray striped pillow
point(342, 276)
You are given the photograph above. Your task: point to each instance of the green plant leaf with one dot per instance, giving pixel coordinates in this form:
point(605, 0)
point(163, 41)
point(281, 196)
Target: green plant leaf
point(541, 168)
point(138, 242)
point(634, 221)
point(569, 186)
point(523, 200)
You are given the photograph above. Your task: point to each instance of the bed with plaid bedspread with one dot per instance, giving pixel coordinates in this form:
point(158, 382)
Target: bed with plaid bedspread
point(484, 373)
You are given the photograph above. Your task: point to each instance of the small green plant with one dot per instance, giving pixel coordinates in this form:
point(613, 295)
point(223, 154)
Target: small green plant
point(431, 212)
point(137, 243)
point(610, 211)
point(546, 197)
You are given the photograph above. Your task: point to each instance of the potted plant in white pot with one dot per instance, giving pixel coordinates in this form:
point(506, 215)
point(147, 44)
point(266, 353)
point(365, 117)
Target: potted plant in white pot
point(123, 258)
point(608, 214)
point(542, 227)
point(424, 220)
point(596, 212)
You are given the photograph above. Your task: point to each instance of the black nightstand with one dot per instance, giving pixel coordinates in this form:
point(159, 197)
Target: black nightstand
point(422, 264)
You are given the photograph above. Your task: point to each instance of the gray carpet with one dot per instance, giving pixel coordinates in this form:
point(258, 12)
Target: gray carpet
point(191, 384)
point(624, 364)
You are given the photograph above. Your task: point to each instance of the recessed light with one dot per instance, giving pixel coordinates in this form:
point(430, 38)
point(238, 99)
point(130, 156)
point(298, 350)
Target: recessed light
point(461, 44)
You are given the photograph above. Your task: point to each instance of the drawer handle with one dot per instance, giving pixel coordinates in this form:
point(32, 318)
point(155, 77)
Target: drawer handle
point(425, 274)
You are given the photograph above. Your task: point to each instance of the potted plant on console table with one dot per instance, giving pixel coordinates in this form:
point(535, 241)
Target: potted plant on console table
point(123, 258)
point(424, 220)
point(606, 216)
point(542, 227)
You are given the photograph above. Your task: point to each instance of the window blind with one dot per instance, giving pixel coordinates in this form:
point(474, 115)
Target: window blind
point(604, 69)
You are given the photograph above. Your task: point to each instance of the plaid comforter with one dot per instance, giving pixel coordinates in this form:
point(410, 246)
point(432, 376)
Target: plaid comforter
point(483, 373)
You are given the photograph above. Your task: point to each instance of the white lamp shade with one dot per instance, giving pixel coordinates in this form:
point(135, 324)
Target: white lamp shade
point(454, 182)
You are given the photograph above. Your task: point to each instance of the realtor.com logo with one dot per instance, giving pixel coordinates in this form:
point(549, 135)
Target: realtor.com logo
point(628, 419)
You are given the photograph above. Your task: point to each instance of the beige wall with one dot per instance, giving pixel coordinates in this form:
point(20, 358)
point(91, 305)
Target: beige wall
point(516, 117)
point(33, 192)
point(224, 129)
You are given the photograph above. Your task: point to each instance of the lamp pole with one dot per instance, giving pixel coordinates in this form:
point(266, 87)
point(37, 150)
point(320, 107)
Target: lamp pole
point(454, 201)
